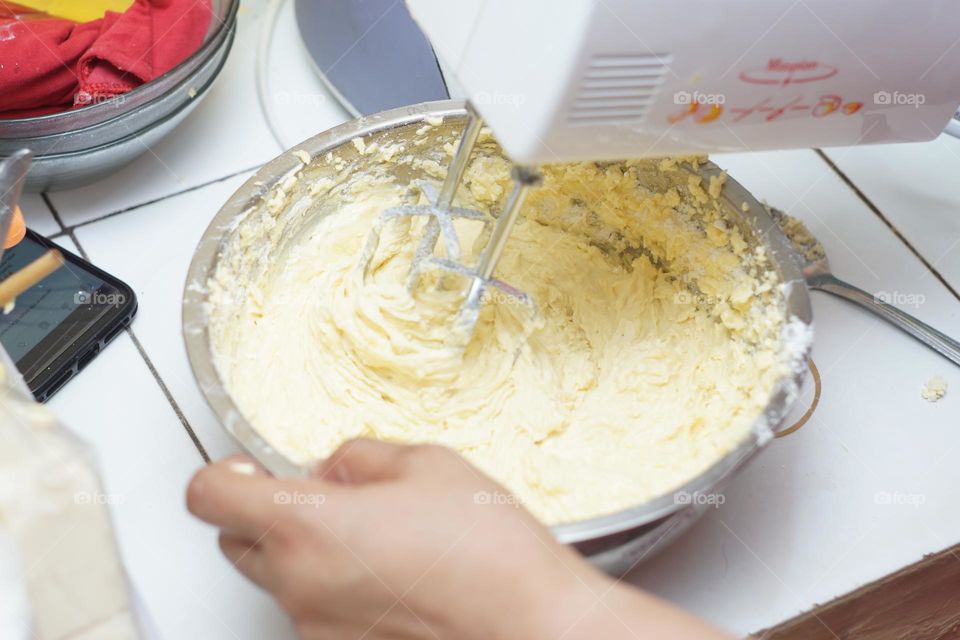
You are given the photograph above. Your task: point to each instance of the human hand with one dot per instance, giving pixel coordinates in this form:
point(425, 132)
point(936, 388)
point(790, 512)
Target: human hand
point(390, 541)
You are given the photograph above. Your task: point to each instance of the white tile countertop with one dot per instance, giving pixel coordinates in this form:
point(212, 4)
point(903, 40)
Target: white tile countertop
point(868, 486)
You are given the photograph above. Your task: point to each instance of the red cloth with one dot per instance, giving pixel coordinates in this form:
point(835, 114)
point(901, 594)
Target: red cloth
point(48, 66)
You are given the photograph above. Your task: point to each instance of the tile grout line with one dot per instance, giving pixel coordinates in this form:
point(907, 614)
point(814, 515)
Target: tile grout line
point(169, 396)
point(68, 229)
point(69, 232)
point(883, 218)
point(53, 213)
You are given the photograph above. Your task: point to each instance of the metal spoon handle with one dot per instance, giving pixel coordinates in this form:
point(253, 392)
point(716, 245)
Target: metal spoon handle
point(939, 342)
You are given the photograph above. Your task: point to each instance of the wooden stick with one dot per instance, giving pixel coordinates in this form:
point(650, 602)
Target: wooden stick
point(29, 276)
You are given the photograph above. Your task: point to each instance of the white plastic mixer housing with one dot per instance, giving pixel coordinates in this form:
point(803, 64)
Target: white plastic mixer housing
point(561, 80)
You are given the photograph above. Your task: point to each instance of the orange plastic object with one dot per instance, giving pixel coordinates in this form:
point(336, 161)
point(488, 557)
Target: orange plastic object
point(18, 229)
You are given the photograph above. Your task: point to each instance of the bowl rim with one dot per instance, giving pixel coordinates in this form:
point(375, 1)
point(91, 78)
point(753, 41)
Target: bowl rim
point(193, 102)
point(195, 329)
point(211, 41)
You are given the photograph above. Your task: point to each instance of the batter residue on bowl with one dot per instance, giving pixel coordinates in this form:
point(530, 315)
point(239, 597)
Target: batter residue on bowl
point(656, 346)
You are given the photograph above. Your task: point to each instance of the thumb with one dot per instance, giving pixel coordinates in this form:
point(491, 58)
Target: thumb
point(362, 460)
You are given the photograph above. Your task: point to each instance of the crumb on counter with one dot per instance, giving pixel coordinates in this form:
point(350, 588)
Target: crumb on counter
point(935, 389)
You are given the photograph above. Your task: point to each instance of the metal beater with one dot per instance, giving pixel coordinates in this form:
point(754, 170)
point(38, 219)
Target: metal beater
point(441, 214)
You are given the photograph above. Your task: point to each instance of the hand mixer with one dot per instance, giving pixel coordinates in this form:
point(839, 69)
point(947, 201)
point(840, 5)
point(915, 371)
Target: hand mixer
point(571, 80)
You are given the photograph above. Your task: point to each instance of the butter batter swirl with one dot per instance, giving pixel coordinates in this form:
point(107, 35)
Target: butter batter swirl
point(654, 348)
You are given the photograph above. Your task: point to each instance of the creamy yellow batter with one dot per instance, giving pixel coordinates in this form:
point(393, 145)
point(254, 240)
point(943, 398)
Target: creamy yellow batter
point(655, 346)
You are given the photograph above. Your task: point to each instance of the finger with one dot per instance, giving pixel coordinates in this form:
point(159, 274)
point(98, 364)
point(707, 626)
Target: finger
point(244, 465)
point(240, 503)
point(362, 460)
point(246, 556)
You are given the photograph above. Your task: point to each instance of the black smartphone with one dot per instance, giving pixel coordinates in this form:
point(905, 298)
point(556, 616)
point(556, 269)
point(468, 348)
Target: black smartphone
point(59, 325)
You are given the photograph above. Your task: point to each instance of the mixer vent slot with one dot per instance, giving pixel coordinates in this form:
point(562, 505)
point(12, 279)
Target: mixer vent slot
point(615, 88)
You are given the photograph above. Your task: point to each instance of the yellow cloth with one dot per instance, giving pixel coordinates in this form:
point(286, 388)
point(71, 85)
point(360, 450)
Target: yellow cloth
point(77, 10)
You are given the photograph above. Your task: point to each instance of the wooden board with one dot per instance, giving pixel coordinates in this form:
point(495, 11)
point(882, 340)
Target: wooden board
point(919, 602)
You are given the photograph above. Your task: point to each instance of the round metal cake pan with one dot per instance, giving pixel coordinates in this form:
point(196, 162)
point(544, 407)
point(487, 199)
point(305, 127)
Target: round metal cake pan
point(613, 542)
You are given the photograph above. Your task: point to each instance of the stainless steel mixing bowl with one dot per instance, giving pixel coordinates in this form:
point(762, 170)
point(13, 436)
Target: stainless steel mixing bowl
point(614, 542)
point(78, 146)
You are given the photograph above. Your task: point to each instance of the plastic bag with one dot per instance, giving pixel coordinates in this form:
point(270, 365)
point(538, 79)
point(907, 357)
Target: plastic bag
point(54, 510)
